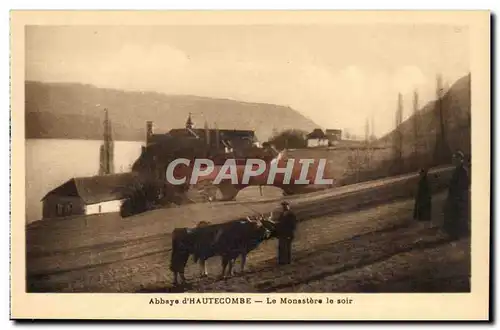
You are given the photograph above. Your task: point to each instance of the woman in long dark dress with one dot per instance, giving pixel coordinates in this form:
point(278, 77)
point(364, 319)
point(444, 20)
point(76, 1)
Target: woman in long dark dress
point(457, 207)
point(423, 199)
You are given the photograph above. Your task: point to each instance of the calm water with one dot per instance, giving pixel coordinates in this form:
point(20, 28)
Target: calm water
point(51, 162)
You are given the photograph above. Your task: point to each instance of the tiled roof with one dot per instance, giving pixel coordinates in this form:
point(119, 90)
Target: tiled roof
point(96, 189)
point(316, 134)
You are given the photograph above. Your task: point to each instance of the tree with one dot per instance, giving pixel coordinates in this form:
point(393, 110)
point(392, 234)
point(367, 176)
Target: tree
point(217, 137)
point(207, 133)
point(142, 196)
point(358, 161)
point(367, 131)
point(106, 151)
point(442, 152)
point(398, 135)
point(416, 123)
point(368, 140)
point(373, 137)
point(291, 138)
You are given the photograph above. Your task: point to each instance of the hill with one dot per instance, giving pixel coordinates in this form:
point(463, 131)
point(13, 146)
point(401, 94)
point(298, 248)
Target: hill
point(457, 115)
point(75, 111)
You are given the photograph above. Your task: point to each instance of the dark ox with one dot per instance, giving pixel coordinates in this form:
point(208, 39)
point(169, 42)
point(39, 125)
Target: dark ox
point(228, 240)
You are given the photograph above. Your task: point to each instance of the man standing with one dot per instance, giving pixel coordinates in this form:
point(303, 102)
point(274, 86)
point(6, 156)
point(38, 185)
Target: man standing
point(456, 220)
point(286, 232)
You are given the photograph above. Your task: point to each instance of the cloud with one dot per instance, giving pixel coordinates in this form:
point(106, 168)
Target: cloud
point(142, 67)
point(408, 78)
point(335, 88)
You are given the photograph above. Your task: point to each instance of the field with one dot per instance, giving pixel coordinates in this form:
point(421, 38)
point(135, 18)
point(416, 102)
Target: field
point(343, 163)
point(352, 238)
point(379, 249)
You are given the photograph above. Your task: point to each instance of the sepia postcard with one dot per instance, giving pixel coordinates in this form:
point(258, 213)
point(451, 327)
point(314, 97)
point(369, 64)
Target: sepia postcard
point(250, 165)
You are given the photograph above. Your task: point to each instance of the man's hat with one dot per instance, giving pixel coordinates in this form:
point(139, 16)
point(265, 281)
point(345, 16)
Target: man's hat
point(459, 154)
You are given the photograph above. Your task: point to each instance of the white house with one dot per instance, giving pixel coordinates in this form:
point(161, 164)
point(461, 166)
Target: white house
point(317, 138)
point(88, 195)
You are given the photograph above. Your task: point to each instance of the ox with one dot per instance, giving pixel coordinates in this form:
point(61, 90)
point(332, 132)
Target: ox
point(228, 240)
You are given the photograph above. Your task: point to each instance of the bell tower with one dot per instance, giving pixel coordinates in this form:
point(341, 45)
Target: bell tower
point(189, 122)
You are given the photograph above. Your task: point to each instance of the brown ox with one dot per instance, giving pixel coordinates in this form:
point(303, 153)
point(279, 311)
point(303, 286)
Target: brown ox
point(228, 240)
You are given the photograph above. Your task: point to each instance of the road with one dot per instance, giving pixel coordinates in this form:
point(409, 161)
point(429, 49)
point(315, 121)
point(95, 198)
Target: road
point(332, 253)
point(380, 249)
point(104, 254)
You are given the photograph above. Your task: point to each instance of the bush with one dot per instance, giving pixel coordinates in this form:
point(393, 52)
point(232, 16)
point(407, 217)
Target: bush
point(141, 197)
point(290, 139)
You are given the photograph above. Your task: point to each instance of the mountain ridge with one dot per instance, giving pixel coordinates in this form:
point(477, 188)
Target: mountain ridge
point(74, 110)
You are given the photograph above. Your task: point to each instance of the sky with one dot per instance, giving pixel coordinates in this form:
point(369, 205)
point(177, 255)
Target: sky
point(337, 75)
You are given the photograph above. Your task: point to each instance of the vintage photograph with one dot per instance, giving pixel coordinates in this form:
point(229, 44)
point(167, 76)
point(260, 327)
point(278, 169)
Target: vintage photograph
point(249, 158)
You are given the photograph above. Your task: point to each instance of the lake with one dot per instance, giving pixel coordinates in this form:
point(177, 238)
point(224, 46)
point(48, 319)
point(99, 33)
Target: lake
point(51, 162)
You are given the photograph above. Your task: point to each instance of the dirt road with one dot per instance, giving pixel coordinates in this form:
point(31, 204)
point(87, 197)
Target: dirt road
point(361, 250)
point(376, 250)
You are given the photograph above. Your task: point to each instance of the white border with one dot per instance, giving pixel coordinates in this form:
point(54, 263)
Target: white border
point(144, 4)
